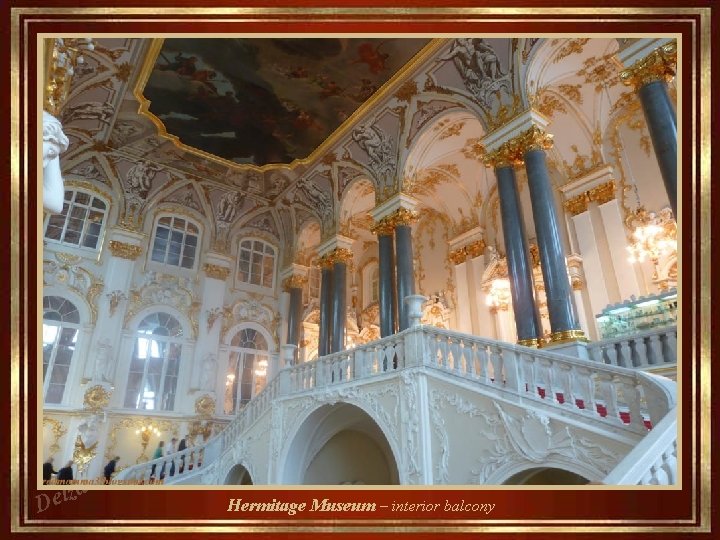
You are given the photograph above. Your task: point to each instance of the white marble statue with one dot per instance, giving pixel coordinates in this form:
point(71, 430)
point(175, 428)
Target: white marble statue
point(54, 143)
point(103, 363)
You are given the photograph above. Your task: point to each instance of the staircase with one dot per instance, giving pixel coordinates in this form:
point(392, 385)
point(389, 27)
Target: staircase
point(451, 408)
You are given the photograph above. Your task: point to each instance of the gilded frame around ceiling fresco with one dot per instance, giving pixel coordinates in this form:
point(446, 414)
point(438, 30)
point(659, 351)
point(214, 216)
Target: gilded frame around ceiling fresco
point(383, 93)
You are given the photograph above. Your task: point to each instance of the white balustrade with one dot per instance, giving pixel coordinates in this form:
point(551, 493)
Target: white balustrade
point(654, 460)
point(652, 348)
point(599, 389)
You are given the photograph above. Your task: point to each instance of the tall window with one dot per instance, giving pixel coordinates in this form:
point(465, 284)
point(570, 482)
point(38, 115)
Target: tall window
point(61, 324)
point(155, 364)
point(257, 263)
point(176, 242)
point(247, 369)
point(80, 223)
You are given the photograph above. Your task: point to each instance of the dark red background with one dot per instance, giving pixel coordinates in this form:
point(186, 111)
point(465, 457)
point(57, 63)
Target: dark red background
point(581, 507)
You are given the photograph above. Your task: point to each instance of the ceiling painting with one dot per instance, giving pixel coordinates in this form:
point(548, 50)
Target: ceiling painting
point(268, 101)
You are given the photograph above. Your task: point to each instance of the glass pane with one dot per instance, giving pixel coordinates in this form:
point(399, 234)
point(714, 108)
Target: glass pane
point(72, 237)
point(179, 224)
point(187, 262)
point(69, 195)
point(132, 395)
point(53, 232)
point(176, 237)
point(191, 240)
point(162, 232)
point(165, 221)
point(192, 228)
point(82, 198)
point(97, 203)
point(269, 250)
point(245, 244)
point(90, 241)
point(258, 246)
point(54, 393)
point(267, 279)
point(59, 374)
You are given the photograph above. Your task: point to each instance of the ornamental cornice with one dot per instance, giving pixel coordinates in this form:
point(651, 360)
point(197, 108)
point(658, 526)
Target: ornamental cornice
point(600, 194)
point(339, 255)
point(124, 250)
point(216, 271)
point(470, 251)
point(659, 65)
point(511, 152)
point(533, 139)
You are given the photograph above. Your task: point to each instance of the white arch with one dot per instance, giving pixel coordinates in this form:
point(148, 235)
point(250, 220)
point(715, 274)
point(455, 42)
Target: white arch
point(505, 472)
point(80, 302)
point(134, 323)
point(318, 425)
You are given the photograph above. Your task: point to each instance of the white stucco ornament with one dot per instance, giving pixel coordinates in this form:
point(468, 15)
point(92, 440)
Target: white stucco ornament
point(54, 143)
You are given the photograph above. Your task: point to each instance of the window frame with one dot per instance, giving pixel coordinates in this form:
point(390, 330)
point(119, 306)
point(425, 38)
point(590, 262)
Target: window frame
point(234, 368)
point(135, 353)
point(261, 285)
point(61, 326)
point(164, 265)
point(86, 223)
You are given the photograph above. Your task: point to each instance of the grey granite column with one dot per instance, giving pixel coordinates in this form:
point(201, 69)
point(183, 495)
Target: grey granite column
point(386, 269)
point(339, 307)
point(527, 318)
point(326, 288)
point(294, 315)
point(564, 322)
point(405, 272)
point(662, 125)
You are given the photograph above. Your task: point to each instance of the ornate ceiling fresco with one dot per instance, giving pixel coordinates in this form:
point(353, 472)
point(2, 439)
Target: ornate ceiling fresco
point(267, 101)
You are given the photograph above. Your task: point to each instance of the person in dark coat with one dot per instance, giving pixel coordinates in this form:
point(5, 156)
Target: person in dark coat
point(66, 473)
point(110, 468)
point(182, 445)
point(48, 470)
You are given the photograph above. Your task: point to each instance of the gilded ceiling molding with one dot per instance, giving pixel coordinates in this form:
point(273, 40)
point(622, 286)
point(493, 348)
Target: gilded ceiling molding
point(659, 65)
point(406, 91)
point(573, 46)
point(61, 58)
point(215, 271)
point(124, 250)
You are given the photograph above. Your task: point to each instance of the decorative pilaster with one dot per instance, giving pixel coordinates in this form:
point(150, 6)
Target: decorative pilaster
point(649, 77)
point(293, 284)
point(564, 322)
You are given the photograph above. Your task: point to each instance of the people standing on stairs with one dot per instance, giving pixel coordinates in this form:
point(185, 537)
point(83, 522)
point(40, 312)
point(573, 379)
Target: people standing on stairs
point(157, 455)
point(66, 473)
point(48, 470)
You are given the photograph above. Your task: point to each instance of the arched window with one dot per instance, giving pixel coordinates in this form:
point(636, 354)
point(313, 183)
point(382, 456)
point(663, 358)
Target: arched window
point(61, 324)
point(155, 364)
point(247, 368)
point(80, 222)
point(256, 264)
point(175, 242)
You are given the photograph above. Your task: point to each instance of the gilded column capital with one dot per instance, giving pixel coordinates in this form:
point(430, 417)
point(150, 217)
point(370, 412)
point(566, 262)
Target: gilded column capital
point(384, 227)
point(506, 155)
point(577, 205)
point(294, 282)
point(402, 216)
point(216, 271)
point(124, 250)
point(659, 65)
point(533, 138)
point(602, 193)
point(470, 251)
point(339, 255)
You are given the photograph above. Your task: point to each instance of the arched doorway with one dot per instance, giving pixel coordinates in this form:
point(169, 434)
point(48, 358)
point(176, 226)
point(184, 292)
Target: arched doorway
point(340, 444)
point(238, 476)
point(546, 476)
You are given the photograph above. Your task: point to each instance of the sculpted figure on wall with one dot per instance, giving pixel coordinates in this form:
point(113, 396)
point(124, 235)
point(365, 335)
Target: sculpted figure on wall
point(227, 209)
point(139, 178)
point(207, 373)
point(103, 361)
point(54, 143)
point(316, 197)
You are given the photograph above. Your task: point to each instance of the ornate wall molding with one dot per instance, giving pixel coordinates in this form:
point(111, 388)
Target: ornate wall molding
point(600, 194)
point(215, 271)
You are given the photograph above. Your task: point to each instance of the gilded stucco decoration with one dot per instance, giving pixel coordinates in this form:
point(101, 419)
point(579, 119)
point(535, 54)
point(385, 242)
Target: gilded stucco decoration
point(96, 398)
point(470, 251)
point(124, 250)
point(406, 91)
point(205, 405)
point(164, 290)
point(602, 71)
point(572, 46)
point(212, 315)
point(168, 428)
point(58, 430)
point(294, 282)
point(474, 149)
point(659, 65)
point(216, 271)
point(66, 271)
point(250, 308)
point(114, 299)
point(62, 59)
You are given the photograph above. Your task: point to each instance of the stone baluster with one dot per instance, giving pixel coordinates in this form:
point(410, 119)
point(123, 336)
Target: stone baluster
point(656, 349)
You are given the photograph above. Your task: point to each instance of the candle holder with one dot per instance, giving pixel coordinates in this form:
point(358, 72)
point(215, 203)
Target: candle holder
point(146, 432)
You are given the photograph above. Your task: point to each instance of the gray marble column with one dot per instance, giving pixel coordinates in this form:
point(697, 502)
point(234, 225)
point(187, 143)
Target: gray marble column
point(527, 318)
point(326, 288)
point(405, 272)
point(386, 298)
point(564, 322)
point(662, 125)
point(294, 315)
point(339, 307)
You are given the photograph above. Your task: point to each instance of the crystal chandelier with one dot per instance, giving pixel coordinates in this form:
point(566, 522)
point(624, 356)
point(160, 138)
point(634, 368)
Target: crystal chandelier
point(654, 236)
point(261, 370)
point(498, 297)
